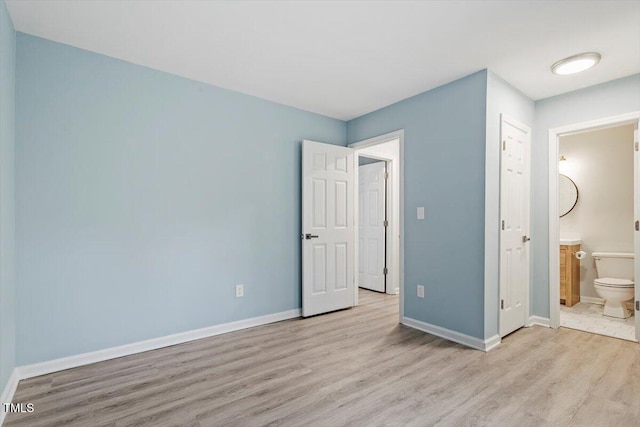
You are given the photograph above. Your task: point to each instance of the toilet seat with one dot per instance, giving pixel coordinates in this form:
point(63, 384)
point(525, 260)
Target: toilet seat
point(612, 282)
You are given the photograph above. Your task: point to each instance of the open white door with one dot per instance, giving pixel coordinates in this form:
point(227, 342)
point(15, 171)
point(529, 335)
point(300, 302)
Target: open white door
point(636, 236)
point(514, 213)
point(327, 228)
point(371, 226)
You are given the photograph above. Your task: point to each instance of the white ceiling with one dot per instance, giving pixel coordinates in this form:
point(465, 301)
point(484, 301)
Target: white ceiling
point(344, 59)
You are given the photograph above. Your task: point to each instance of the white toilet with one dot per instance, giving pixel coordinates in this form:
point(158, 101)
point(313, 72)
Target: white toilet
point(615, 281)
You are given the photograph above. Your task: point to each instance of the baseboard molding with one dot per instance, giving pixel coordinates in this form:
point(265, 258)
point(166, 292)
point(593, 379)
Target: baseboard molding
point(600, 301)
point(43, 368)
point(539, 321)
point(460, 338)
point(492, 342)
point(592, 300)
point(8, 392)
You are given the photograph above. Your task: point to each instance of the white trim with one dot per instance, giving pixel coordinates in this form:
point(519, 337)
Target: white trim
point(554, 222)
point(460, 338)
point(8, 392)
point(492, 342)
point(399, 135)
point(392, 159)
point(61, 364)
point(601, 301)
point(515, 123)
point(598, 124)
point(554, 233)
point(592, 300)
point(538, 321)
point(636, 215)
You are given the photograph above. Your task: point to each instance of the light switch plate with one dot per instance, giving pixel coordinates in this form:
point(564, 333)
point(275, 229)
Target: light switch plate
point(420, 291)
point(421, 212)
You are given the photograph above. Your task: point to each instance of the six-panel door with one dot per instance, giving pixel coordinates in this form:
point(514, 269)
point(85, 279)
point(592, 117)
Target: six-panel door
point(327, 228)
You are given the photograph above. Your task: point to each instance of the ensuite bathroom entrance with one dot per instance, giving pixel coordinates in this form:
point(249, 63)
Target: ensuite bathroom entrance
point(597, 229)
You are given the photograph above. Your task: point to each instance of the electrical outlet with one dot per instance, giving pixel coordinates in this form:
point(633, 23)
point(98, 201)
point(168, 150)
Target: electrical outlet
point(420, 291)
point(239, 291)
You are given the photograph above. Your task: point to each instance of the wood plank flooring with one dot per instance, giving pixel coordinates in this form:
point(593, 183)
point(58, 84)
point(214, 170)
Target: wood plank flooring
point(354, 367)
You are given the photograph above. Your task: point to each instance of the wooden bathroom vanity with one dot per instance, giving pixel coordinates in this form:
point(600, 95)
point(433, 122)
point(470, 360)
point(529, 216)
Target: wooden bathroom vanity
point(569, 274)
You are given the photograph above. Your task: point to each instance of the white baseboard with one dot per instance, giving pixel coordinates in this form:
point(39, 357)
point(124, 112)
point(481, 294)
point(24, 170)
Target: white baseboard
point(8, 392)
point(592, 300)
point(539, 321)
point(37, 369)
point(600, 301)
point(466, 340)
point(492, 342)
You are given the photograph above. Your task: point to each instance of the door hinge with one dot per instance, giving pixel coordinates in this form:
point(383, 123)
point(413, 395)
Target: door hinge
point(503, 224)
point(385, 223)
point(637, 225)
point(637, 305)
point(504, 145)
point(636, 145)
point(502, 304)
point(386, 175)
point(385, 271)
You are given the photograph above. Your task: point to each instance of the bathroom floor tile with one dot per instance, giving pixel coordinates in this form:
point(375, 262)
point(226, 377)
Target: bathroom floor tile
point(588, 317)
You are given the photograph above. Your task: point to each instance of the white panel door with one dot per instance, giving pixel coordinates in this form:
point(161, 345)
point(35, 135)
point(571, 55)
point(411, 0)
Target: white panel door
point(514, 227)
point(636, 239)
point(371, 226)
point(327, 228)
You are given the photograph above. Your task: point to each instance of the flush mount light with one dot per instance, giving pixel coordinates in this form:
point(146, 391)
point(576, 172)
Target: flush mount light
point(576, 63)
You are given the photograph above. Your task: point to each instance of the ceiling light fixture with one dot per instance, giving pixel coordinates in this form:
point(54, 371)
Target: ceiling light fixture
point(576, 63)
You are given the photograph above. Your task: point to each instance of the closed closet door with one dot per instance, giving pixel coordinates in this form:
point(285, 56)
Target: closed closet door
point(514, 226)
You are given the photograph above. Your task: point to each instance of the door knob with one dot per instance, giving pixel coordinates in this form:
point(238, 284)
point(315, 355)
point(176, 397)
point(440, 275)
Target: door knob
point(309, 236)
point(525, 239)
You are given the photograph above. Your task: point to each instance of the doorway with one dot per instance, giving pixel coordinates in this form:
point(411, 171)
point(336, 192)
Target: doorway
point(330, 222)
point(580, 251)
point(371, 265)
point(381, 156)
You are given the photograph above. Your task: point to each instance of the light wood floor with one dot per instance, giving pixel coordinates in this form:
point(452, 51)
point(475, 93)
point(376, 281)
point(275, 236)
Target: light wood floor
point(354, 367)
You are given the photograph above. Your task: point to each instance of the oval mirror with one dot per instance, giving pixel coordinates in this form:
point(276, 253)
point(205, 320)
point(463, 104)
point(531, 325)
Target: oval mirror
point(567, 195)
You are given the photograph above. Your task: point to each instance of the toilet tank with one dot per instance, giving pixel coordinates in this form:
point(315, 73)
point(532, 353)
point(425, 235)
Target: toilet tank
point(618, 265)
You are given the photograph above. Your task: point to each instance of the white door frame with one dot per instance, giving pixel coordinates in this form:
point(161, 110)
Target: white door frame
point(554, 220)
point(396, 224)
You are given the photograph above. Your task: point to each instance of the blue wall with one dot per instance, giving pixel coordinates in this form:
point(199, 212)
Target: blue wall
point(444, 160)
point(143, 198)
point(502, 98)
point(596, 102)
point(127, 229)
point(7, 200)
